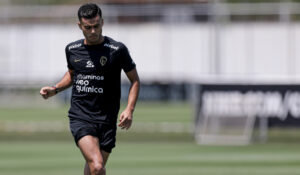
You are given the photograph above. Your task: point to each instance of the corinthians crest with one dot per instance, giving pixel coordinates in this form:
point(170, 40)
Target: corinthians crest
point(103, 60)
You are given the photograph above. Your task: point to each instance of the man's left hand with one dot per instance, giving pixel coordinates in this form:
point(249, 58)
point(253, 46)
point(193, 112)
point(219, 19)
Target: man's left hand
point(125, 119)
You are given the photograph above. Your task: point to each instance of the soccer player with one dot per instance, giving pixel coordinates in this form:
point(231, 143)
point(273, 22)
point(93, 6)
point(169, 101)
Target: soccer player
point(94, 72)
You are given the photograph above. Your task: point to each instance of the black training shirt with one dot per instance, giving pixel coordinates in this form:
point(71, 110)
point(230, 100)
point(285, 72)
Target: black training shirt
point(96, 87)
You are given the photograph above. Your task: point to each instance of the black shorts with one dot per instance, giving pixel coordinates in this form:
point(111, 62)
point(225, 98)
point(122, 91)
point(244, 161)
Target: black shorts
point(105, 133)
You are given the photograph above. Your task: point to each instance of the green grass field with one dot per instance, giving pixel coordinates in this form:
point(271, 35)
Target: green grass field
point(29, 152)
point(147, 158)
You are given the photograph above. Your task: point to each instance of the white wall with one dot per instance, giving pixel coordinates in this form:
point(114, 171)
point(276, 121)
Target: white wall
point(177, 52)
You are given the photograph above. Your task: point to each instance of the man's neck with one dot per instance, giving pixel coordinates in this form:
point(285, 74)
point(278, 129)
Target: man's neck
point(101, 40)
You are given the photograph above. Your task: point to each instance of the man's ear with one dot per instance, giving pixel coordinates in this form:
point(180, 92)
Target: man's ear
point(102, 22)
point(79, 25)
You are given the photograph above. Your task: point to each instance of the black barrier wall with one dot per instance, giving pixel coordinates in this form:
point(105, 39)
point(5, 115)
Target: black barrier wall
point(279, 103)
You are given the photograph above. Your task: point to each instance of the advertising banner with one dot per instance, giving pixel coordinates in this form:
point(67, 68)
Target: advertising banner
point(280, 103)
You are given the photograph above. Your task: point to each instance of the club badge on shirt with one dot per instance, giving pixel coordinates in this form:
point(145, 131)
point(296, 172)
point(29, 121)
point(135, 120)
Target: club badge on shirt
point(103, 60)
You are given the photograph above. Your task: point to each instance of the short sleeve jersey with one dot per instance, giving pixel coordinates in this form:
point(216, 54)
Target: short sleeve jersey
point(96, 87)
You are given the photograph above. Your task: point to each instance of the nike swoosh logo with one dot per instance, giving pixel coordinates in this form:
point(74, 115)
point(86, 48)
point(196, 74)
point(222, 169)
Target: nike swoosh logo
point(77, 60)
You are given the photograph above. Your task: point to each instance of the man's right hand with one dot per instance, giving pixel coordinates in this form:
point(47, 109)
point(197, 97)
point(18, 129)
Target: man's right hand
point(47, 92)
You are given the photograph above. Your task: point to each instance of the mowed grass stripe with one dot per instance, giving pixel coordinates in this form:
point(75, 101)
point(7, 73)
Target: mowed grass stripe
point(145, 112)
point(170, 159)
point(193, 159)
point(205, 171)
point(135, 158)
point(38, 157)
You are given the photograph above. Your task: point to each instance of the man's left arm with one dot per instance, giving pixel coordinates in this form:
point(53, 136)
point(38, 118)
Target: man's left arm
point(126, 115)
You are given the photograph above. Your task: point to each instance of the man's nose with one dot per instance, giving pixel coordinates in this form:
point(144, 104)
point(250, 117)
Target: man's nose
point(93, 30)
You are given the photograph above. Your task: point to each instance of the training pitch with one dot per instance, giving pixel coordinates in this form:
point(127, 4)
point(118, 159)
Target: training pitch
point(51, 151)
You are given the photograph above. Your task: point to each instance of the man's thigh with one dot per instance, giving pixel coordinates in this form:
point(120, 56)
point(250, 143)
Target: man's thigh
point(89, 146)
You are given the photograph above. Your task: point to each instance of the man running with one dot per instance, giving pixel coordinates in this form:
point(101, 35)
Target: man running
point(94, 72)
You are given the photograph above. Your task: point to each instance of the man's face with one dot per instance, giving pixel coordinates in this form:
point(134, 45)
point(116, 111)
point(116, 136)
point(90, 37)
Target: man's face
point(92, 29)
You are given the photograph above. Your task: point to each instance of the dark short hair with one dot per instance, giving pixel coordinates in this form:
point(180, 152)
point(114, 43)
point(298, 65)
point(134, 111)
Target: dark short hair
point(89, 11)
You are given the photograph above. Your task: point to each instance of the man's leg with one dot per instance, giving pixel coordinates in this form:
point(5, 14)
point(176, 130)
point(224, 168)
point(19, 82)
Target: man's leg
point(105, 156)
point(95, 159)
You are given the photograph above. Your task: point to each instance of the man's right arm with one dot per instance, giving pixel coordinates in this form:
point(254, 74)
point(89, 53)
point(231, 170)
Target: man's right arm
point(63, 84)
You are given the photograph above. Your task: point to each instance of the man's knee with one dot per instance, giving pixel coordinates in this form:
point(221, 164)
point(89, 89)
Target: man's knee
point(97, 168)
